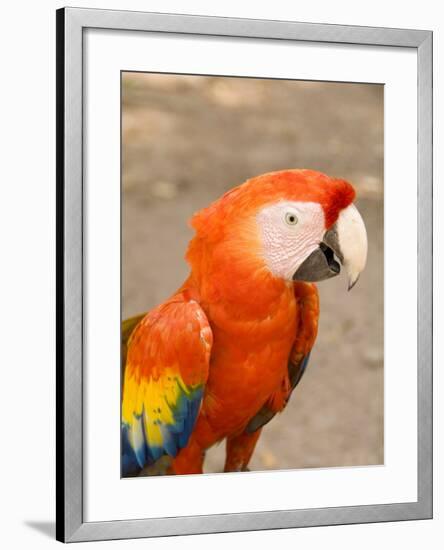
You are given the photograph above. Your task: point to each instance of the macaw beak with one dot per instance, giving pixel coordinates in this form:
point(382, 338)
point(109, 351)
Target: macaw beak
point(347, 240)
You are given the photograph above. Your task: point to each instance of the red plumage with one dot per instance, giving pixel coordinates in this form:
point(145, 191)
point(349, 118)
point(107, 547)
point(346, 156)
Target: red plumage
point(262, 326)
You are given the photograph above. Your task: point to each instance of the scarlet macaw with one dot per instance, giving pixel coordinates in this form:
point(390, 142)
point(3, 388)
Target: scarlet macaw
point(221, 357)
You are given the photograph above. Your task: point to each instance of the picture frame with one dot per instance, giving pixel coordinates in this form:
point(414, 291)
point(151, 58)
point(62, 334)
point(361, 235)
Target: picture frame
point(71, 25)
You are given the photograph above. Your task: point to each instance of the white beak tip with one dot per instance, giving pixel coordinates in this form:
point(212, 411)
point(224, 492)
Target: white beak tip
point(352, 240)
point(351, 283)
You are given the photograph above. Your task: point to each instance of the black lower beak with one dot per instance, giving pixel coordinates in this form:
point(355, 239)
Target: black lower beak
point(320, 265)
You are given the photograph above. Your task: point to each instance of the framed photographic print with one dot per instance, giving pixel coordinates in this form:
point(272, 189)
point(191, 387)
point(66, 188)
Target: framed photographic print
point(244, 274)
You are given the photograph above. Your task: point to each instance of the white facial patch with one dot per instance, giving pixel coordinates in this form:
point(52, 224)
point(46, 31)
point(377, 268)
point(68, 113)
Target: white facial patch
point(290, 232)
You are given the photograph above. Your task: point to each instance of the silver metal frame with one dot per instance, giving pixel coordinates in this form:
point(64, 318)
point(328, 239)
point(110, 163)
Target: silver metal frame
point(71, 22)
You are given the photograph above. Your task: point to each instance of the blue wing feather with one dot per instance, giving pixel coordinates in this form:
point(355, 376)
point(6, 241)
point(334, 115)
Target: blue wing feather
point(138, 453)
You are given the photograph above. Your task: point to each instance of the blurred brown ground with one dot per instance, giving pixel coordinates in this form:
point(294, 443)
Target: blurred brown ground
point(188, 139)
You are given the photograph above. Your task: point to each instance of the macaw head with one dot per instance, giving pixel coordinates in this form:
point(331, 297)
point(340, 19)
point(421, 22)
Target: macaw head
point(302, 224)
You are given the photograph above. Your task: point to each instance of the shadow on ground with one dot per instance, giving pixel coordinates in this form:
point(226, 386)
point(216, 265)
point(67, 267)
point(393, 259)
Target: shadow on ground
point(47, 528)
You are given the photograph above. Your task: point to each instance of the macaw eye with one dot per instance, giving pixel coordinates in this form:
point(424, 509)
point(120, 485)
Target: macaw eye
point(290, 218)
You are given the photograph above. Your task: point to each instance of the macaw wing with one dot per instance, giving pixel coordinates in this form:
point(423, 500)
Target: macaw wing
point(128, 327)
point(307, 301)
point(296, 369)
point(166, 370)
